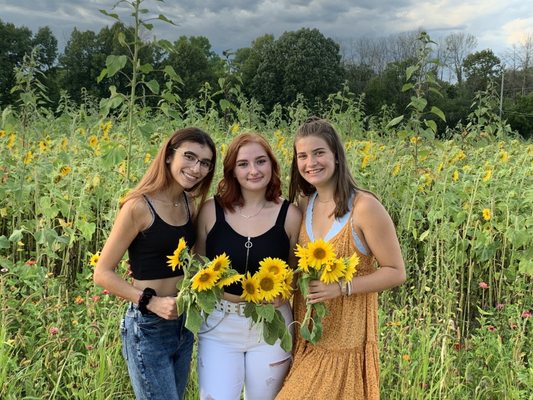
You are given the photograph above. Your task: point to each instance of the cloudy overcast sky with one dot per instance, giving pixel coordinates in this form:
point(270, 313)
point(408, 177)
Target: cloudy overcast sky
point(232, 24)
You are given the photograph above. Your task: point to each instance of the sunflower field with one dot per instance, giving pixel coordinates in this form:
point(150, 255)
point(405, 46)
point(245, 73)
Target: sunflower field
point(460, 327)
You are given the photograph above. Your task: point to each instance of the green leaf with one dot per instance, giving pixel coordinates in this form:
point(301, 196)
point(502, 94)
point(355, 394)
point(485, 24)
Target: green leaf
point(525, 266)
point(321, 310)
point(87, 229)
point(250, 311)
point(407, 87)
point(266, 311)
point(102, 75)
point(193, 320)
point(206, 301)
point(114, 64)
point(438, 112)
point(153, 86)
point(163, 18)
point(146, 68)
point(16, 235)
point(394, 122)
point(286, 341)
point(424, 235)
point(4, 242)
point(112, 15)
point(316, 333)
point(419, 103)
point(46, 236)
point(410, 71)
point(431, 125)
point(122, 39)
point(269, 333)
point(224, 104)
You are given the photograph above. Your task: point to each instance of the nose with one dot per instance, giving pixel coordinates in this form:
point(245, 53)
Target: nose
point(196, 166)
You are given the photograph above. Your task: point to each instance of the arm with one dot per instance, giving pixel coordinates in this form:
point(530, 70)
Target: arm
point(292, 227)
point(130, 220)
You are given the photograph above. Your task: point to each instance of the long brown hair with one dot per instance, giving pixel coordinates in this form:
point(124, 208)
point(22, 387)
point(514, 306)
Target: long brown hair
point(229, 191)
point(345, 184)
point(158, 176)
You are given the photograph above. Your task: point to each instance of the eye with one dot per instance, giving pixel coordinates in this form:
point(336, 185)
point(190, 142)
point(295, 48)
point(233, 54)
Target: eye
point(261, 161)
point(189, 157)
point(205, 164)
point(242, 164)
point(319, 153)
point(301, 156)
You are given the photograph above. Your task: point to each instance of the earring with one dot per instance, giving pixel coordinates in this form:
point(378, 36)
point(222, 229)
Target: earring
point(168, 161)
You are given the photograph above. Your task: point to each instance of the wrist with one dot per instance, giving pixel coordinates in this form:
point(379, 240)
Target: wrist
point(144, 300)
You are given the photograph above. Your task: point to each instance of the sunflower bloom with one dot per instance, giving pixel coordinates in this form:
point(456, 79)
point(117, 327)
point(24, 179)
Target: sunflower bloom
point(220, 263)
point(351, 267)
point(250, 286)
point(204, 279)
point(174, 260)
point(333, 271)
point(504, 156)
point(65, 170)
point(488, 175)
point(486, 214)
point(396, 169)
point(320, 253)
point(28, 157)
point(302, 254)
point(94, 259)
point(455, 176)
point(286, 285)
point(269, 285)
point(228, 280)
point(93, 141)
point(274, 265)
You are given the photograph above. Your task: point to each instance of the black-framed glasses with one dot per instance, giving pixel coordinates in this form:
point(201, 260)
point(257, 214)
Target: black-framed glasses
point(192, 159)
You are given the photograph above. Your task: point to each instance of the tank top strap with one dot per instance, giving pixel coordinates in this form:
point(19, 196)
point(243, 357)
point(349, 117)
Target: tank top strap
point(150, 206)
point(219, 210)
point(280, 221)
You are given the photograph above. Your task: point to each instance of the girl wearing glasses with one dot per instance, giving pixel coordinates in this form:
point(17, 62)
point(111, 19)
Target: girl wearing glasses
point(151, 220)
point(248, 221)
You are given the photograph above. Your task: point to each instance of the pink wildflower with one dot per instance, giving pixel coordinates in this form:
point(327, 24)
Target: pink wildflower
point(54, 330)
point(491, 328)
point(526, 314)
point(105, 291)
point(483, 285)
point(31, 262)
point(89, 346)
point(500, 306)
point(96, 298)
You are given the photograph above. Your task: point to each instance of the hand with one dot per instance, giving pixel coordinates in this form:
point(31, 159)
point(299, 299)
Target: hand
point(165, 307)
point(320, 291)
point(278, 301)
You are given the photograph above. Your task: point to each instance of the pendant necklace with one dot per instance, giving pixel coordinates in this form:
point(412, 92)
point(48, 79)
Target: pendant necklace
point(248, 244)
point(253, 215)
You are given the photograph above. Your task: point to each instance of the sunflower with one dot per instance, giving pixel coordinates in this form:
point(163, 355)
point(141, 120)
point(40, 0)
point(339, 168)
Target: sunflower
point(286, 285)
point(302, 254)
point(250, 286)
point(204, 279)
point(174, 260)
point(94, 259)
point(274, 265)
point(270, 285)
point(320, 253)
point(351, 267)
point(220, 263)
point(333, 271)
point(228, 280)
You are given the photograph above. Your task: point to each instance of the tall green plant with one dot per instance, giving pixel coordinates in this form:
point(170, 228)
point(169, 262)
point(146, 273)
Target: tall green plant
point(116, 64)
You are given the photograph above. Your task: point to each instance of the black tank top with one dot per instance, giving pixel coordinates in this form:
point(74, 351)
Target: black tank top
point(149, 250)
point(222, 238)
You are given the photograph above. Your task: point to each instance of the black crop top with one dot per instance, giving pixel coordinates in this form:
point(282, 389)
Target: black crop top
point(149, 250)
point(222, 238)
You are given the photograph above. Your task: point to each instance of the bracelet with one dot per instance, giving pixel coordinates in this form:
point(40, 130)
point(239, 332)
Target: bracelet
point(342, 286)
point(144, 299)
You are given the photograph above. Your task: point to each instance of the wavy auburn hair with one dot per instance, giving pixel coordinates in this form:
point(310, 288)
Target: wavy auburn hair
point(229, 191)
point(158, 176)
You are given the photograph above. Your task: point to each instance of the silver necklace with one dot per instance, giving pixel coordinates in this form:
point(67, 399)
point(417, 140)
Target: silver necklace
point(176, 203)
point(248, 244)
point(324, 201)
point(250, 216)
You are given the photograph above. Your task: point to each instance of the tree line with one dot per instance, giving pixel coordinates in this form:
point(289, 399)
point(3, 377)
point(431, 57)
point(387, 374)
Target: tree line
point(301, 65)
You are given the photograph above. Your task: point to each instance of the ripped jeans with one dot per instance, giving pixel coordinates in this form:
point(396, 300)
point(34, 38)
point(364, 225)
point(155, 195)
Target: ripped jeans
point(233, 354)
point(158, 353)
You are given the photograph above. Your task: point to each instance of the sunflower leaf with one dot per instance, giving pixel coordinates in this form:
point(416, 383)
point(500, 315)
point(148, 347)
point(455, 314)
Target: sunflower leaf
point(266, 311)
point(194, 319)
point(207, 300)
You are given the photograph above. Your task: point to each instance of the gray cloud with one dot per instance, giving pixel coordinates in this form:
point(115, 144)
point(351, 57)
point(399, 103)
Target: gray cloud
point(231, 24)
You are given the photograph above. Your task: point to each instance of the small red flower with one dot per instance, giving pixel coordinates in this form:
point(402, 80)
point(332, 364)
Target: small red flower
point(526, 314)
point(500, 306)
point(96, 298)
point(31, 262)
point(105, 291)
point(89, 346)
point(458, 346)
point(491, 328)
point(78, 300)
point(483, 285)
point(54, 330)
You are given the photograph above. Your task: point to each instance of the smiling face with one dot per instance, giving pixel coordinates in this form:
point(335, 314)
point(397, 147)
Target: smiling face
point(253, 168)
point(315, 160)
point(190, 163)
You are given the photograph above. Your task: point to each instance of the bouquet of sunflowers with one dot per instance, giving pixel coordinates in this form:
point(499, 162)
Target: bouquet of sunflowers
point(202, 284)
point(273, 279)
point(317, 261)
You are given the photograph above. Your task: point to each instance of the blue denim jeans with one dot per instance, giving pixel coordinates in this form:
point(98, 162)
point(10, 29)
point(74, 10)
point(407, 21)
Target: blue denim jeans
point(158, 353)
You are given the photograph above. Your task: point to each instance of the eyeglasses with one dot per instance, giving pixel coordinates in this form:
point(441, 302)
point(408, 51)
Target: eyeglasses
point(192, 159)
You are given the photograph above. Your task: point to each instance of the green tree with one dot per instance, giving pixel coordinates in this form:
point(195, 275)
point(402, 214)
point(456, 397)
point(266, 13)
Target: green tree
point(303, 62)
point(479, 68)
point(15, 42)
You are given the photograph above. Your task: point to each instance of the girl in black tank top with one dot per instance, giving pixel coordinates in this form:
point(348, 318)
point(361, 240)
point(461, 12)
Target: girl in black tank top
point(248, 221)
point(152, 219)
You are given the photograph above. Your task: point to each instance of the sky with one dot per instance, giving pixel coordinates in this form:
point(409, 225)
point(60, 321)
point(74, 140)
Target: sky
point(232, 24)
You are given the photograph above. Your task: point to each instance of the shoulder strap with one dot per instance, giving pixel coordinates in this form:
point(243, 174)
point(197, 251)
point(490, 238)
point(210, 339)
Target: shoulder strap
point(282, 213)
point(219, 210)
point(150, 207)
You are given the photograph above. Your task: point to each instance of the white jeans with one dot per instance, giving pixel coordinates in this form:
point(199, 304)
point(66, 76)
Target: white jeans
point(233, 354)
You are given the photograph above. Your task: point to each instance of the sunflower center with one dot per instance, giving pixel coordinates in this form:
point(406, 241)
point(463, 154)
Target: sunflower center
point(217, 266)
point(319, 254)
point(274, 269)
point(204, 277)
point(266, 284)
point(250, 288)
